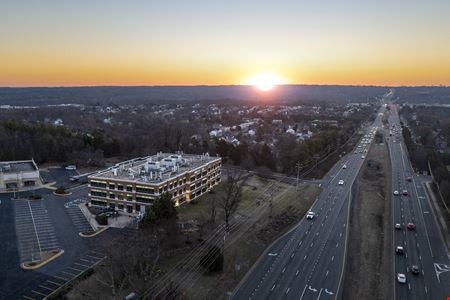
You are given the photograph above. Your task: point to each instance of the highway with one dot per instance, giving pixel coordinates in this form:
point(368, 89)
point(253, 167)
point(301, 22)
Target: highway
point(423, 246)
point(307, 262)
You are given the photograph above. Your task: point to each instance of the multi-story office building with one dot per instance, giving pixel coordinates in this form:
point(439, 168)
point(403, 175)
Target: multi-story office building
point(19, 175)
point(132, 185)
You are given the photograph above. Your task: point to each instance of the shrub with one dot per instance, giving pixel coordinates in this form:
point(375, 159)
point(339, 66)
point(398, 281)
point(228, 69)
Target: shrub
point(102, 219)
point(60, 191)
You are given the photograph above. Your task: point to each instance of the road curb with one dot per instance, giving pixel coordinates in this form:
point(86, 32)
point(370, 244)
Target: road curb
point(84, 235)
point(41, 263)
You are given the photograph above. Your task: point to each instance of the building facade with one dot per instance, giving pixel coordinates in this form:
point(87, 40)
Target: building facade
point(130, 186)
point(19, 175)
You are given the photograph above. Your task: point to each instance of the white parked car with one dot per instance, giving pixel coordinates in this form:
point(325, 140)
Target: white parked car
point(401, 278)
point(344, 166)
point(396, 193)
point(362, 157)
point(310, 215)
point(341, 182)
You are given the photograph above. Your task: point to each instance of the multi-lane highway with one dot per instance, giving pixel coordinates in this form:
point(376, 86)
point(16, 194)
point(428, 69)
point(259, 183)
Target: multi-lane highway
point(423, 246)
point(307, 262)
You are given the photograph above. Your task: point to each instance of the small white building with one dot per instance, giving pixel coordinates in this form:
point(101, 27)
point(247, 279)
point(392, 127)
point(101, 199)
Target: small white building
point(17, 175)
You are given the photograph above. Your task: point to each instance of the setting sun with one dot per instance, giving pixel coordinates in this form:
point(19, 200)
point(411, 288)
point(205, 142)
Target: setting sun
point(264, 81)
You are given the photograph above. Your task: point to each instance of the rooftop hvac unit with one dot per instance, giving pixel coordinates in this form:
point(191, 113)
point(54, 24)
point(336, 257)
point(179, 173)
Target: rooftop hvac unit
point(154, 165)
point(114, 171)
point(169, 162)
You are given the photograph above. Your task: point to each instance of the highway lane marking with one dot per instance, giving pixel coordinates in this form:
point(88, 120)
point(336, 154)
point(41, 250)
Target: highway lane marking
point(301, 297)
point(296, 273)
point(292, 255)
point(332, 258)
point(287, 291)
point(337, 244)
point(320, 293)
point(326, 274)
point(284, 269)
point(26, 297)
point(273, 287)
point(304, 258)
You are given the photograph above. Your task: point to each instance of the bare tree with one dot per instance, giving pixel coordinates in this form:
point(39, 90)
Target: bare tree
point(231, 196)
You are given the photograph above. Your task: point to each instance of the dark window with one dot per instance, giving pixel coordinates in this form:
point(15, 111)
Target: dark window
point(98, 184)
point(98, 194)
point(120, 187)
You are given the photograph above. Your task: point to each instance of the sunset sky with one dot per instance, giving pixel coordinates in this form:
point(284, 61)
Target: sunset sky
point(192, 42)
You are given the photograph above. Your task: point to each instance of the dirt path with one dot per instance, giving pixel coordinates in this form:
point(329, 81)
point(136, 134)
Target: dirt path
point(368, 266)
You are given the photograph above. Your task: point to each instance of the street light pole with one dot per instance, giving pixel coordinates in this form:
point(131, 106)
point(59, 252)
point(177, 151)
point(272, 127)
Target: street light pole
point(298, 165)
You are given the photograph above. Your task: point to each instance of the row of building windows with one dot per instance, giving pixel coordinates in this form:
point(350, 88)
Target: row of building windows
point(149, 190)
point(148, 199)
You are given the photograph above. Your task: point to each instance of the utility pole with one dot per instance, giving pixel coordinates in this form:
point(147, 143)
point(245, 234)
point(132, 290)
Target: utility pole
point(299, 166)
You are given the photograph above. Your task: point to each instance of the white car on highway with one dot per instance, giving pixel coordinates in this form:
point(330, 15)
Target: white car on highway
point(396, 193)
point(341, 182)
point(310, 215)
point(344, 166)
point(401, 278)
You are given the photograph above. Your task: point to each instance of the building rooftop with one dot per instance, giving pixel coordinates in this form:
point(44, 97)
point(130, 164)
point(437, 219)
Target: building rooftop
point(17, 166)
point(154, 169)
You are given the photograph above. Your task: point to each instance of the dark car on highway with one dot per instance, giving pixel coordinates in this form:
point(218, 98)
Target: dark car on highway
point(411, 226)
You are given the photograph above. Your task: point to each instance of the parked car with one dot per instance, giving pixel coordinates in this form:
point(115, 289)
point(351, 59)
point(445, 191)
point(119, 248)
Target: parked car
point(341, 182)
point(396, 193)
point(405, 193)
point(398, 226)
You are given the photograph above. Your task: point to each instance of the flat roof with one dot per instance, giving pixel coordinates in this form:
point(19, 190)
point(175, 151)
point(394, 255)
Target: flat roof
point(154, 169)
point(17, 166)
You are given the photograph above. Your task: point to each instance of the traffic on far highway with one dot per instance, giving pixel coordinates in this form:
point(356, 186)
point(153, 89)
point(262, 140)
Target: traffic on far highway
point(421, 265)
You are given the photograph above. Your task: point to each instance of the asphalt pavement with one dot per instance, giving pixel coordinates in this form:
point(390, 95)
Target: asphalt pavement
point(423, 246)
point(307, 262)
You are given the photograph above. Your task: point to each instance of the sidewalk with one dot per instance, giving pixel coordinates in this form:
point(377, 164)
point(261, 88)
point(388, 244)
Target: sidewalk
point(90, 217)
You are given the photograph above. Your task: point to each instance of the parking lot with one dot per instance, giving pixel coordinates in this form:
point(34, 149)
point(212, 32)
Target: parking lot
point(29, 227)
point(77, 217)
point(35, 232)
point(80, 264)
